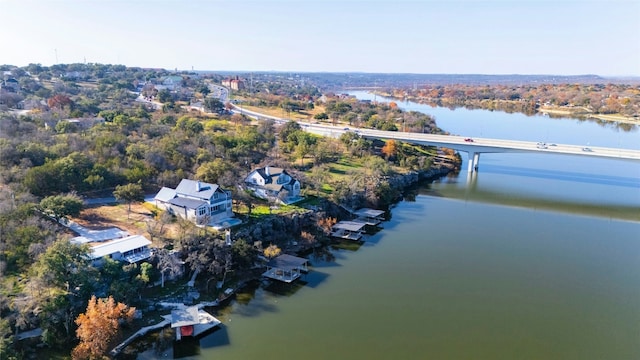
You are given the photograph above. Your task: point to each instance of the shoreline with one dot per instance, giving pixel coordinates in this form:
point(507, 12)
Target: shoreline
point(568, 112)
point(604, 117)
point(404, 182)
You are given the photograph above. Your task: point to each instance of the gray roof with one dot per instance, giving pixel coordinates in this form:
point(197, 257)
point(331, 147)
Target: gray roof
point(185, 317)
point(165, 194)
point(273, 187)
point(187, 202)
point(119, 246)
point(197, 189)
point(271, 174)
point(287, 262)
point(369, 212)
point(87, 235)
point(349, 225)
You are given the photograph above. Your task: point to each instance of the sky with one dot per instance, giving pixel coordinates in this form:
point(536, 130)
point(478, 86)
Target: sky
point(549, 37)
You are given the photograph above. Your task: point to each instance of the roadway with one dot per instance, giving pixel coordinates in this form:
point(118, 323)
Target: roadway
point(473, 146)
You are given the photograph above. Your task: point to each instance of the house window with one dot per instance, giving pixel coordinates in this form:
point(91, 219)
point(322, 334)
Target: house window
point(202, 211)
point(217, 208)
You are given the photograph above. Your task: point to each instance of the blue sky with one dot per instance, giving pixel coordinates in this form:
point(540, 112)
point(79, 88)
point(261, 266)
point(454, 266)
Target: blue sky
point(562, 37)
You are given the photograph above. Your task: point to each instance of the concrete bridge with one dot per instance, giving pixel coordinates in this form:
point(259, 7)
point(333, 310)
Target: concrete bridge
point(472, 146)
point(476, 146)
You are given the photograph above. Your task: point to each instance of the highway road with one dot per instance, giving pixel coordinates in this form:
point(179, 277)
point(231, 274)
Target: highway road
point(461, 143)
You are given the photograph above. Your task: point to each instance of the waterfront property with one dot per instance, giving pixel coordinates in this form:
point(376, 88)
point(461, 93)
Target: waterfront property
point(286, 268)
point(273, 183)
point(192, 321)
point(200, 202)
point(130, 249)
point(113, 243)
point(368, 216)
point(349, 230)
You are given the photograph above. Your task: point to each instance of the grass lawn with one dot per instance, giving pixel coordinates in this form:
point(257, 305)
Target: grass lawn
point(278, 112)
point(341, 170)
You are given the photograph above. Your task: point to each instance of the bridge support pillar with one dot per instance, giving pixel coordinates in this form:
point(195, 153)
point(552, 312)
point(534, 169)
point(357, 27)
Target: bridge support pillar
point(474, 159)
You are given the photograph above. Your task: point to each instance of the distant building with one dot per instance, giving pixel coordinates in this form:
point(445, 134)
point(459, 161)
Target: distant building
point(233, 84)
point(172, 82)
point(85, 123)
point(10, 85)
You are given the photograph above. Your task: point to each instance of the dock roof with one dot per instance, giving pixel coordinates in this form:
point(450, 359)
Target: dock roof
point(287, 262)
point(366, 212)
point(185, 317)
point(349, 225)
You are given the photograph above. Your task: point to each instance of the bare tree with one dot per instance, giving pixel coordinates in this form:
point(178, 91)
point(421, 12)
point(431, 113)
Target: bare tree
point(168, 263)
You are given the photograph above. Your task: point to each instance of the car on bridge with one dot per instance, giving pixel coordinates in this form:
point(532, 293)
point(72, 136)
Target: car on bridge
point(587, 149)
point(468, 140)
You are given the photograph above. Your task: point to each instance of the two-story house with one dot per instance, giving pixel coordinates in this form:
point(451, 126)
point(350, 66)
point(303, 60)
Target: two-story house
point(198, 201)
point(273, 183)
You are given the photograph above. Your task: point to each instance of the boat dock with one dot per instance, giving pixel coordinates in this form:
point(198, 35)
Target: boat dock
point(192, 321)
point(208, 320)
point(286, 268)
point(349, 230)
point(368, 216)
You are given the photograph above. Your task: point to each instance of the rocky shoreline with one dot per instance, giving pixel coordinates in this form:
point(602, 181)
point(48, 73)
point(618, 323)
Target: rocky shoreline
point(268, 229)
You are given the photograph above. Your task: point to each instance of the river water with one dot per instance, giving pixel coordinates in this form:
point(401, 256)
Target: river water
point(535, 257)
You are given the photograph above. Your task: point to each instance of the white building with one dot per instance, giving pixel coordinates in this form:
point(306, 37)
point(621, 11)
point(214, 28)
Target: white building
point(130, 249)
point(273, 183)
point(198, 201)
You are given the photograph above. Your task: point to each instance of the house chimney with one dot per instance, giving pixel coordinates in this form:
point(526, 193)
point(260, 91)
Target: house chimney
point(198, 186)
point(266, 170)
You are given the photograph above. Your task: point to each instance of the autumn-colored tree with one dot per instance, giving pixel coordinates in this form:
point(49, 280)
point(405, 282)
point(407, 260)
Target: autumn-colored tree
point(98, 326)
point(59, 101)
point(390, 149)
point(393, 105)
point(272, 251)
point(327, 223)
point(307, 237)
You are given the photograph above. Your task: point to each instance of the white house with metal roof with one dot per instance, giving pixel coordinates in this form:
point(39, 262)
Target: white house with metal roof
point(200, 202)
point(273, 183)
point(130, 249)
